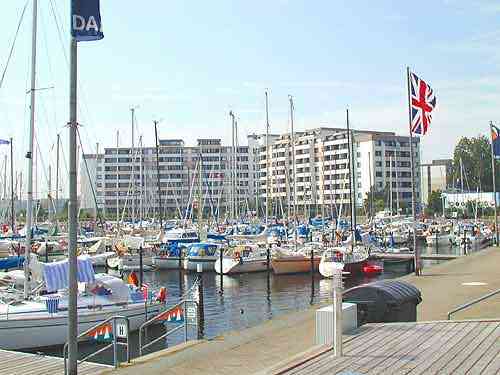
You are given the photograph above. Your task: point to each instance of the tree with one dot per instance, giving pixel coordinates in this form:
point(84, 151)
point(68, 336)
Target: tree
point(434, 203)
point(380, 197)
point(475, 155)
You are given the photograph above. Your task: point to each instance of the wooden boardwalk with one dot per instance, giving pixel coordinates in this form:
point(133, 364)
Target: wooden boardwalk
point(410, 256)
point(442, 347)
point(16, 363)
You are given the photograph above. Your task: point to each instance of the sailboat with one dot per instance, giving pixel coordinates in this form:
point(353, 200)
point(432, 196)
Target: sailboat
point(34, 319)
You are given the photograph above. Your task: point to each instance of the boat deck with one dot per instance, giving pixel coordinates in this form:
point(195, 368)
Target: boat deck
point(441, 347)
point(15, 363)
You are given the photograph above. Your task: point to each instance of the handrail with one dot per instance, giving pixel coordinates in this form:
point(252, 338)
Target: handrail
point(114, 343)
point(183, 303)
point(473, 302)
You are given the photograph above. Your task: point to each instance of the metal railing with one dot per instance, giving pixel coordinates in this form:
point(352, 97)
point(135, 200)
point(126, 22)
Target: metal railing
point(471, 303)
point(190, 316)
point(117, 331)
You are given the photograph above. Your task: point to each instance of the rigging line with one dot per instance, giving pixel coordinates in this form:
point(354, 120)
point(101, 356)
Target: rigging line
point(81, 89)
point(44, 170)
point(13, 43)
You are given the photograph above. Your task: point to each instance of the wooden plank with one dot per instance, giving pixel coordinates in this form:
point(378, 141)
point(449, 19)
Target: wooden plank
point(447, 349)
point(481, 349)
point(362, 347)
point(413, 351)
point(494, 366)
point(486, 358)
point(466, 354)
point(393, 349)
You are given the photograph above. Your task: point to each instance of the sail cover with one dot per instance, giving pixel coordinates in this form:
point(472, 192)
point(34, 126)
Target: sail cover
point(56, 274)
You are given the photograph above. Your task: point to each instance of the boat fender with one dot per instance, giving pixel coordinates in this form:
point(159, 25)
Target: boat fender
point(236, 255)
point(162, 295)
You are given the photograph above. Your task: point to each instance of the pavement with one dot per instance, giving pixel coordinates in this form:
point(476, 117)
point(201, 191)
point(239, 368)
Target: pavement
point(262, 347)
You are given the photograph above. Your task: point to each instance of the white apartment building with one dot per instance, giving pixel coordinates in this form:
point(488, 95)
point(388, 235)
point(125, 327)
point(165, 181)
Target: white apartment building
point(126, 179)
point(381, 160)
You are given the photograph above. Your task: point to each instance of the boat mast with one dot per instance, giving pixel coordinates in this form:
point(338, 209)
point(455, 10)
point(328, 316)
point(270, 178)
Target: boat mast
point(132, 151)
point(117, 181)
point(29, 156)
point(57, 174)
point(390, 184)
point(290, 98)
point(267, 159)
point(160, 211)
point(350, 173)
point(12, 211)
point(141, 195)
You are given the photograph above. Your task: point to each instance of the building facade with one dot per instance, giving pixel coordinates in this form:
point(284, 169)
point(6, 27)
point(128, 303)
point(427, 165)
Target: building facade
point(320, 178)
point(133, 182)
point(435, 176)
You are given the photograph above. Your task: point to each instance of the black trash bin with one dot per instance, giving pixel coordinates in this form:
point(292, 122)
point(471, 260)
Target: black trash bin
point(385, 301)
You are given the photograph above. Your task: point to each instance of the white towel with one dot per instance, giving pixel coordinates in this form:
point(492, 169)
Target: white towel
point(56, 274)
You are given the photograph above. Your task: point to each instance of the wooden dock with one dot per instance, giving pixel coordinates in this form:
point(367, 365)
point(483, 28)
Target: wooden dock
point(15, 363)
point(441, 347)
point(410, 256)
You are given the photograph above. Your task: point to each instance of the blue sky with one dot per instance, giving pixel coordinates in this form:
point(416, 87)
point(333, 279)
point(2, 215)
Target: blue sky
point(190, 62)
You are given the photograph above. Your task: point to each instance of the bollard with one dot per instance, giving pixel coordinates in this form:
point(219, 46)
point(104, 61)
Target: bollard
point(201, 307)
point(141, 270)
point(465, 241)
point(337, 311)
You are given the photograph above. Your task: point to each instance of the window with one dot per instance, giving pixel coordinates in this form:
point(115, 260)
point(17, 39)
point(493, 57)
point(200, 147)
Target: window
point(378, 153)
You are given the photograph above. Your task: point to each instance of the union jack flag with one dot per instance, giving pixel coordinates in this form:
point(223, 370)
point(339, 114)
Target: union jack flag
point(423, 102)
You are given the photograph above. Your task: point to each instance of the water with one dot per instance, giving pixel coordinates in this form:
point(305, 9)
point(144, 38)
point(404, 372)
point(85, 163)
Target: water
point(245, 301)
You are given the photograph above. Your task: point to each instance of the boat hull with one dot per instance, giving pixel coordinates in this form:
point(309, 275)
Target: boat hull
point(52, 330)
point(168, 263)
point(207, 263)
point(287, 265)
point(232, 266)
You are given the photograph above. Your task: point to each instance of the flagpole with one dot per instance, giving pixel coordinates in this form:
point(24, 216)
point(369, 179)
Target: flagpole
point(494, 184)
point(412, 165)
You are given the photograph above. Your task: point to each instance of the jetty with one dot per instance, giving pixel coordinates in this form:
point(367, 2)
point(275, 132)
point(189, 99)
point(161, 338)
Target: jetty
point(410, 256)
point(277, 345)
point(15, 363)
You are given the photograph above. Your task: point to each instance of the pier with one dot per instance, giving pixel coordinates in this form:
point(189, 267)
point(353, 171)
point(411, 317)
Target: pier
point(279, 344)
point(410, 256)
point(15, 363)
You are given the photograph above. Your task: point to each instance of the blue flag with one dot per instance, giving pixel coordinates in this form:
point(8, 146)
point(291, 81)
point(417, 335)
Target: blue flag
point(495, 139)
point(4, 142)
point(86, 20)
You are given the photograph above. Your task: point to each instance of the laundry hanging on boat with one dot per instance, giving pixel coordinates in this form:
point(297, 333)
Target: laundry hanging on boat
point(56, 274)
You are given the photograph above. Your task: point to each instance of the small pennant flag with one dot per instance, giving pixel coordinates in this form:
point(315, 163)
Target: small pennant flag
point(103, 333)
point(4, 142)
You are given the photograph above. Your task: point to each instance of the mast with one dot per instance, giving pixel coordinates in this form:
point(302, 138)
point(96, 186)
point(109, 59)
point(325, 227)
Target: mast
point(290, 98)
point(117, 181)
point(132, 110)
point(96, 169)
point(236, 174)
point(390, 184)
point(267, 159)
point(494, 184)
point(141, 204)
point(371, 186)
point(232, 166)
point(57, 174)
point(412, 164)
point(397, 181)
point(12, 211)
point(160, 210)
point(29, 156)
point(350, 172)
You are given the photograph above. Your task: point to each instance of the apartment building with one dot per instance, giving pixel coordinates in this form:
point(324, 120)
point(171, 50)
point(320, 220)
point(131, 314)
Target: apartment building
point(320, 179)
point(133, 182)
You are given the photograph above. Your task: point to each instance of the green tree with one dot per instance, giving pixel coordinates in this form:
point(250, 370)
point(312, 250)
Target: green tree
point(475, 155)
point(380, 197)
point(434, 203)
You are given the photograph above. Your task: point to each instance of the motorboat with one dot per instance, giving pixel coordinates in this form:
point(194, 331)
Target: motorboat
point(170, 257)
point(201, 253)
point(181, 235)
point(353, 260)
point(244, 258)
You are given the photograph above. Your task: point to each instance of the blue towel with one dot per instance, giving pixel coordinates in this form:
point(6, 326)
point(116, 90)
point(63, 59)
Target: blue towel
point(56, 274)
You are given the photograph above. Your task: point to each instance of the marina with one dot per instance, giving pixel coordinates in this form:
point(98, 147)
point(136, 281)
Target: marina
point(320, 239)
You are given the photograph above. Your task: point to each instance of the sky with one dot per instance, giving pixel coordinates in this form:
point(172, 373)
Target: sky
point(188, 63)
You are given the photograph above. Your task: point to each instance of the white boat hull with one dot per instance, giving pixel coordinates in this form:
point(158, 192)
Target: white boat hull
point(168, 263)
point(234, 266)
point(206, 262)
point(45, 330)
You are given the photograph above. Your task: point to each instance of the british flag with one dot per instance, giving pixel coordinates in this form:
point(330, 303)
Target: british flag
point(423, 102)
